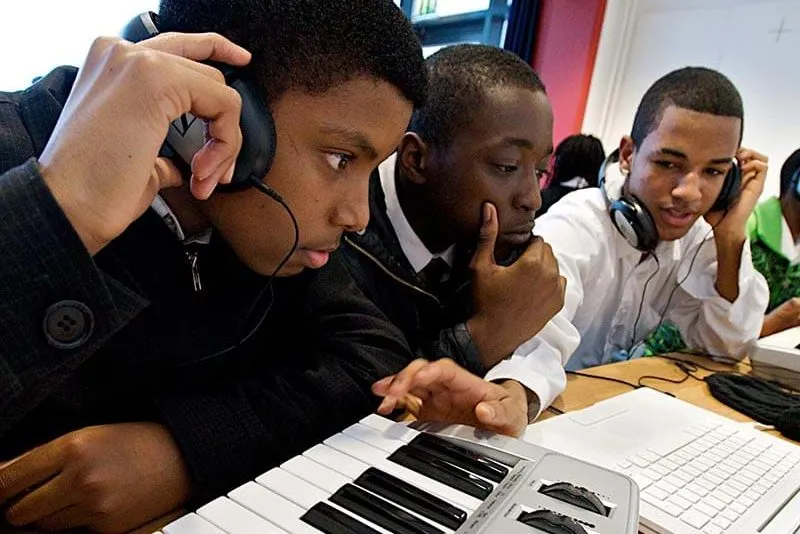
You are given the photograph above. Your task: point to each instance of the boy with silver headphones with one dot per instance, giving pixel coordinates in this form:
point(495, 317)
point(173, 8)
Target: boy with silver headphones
point(661, 248)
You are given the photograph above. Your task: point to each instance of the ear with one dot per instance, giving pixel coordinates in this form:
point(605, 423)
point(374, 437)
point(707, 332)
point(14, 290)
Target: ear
point(627, 150)
point(412, 156)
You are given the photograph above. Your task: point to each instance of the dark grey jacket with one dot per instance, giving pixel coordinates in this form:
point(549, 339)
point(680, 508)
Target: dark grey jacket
point(433, 321)
point(244, 377)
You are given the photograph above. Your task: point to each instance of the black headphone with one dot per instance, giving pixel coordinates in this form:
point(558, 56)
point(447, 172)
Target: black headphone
point(795, 183)
point(186, 135)
point(635, 222)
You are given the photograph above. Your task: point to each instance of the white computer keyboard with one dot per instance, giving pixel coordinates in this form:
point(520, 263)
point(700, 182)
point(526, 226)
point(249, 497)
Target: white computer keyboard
point(709, 475)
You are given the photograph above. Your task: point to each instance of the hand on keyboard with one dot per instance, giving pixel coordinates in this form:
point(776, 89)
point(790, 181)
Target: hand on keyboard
point(109, 478)
point(444, 391)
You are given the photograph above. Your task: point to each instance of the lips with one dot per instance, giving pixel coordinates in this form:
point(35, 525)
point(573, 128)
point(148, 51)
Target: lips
point(519, 235)
point(314, 258)
point(677, 218)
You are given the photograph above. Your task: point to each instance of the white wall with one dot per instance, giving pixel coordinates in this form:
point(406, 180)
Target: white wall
point(644, 39)
point(37, 35)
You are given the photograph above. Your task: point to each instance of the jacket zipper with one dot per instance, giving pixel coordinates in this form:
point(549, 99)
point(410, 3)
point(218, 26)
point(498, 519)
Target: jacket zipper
point(192, 257)
point(390, 273)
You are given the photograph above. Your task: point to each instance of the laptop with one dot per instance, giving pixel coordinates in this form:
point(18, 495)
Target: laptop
point(698, 472)
point(777, 357)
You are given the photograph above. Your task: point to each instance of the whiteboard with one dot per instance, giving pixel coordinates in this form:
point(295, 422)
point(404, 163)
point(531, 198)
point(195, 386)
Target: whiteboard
point(755, 43)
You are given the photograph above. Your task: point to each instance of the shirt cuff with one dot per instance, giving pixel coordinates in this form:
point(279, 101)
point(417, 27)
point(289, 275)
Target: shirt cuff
point(536, 385)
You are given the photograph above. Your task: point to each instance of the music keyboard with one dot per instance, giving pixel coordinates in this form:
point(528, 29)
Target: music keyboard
point(381, 477)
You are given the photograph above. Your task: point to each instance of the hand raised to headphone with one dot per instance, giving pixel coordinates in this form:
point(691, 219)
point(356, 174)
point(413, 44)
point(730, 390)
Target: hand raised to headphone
point(732, 222)
point(511, 303)
point(101, 161)
point(730, 227)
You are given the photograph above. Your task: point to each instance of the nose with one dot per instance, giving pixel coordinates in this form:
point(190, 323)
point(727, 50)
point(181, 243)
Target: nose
point(687, 190)
point(352, 211)
point(528, 197)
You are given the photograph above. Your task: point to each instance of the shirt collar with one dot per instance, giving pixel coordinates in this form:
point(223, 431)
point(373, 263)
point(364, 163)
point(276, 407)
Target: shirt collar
point(414, 249)
point(163, 210)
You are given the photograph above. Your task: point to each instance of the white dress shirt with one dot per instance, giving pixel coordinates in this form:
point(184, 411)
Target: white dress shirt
point(414, 249)
point(607, 283)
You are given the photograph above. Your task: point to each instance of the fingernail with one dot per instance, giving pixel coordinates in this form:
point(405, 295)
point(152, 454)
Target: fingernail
point(228, 176)
point(487, 212)
point(385, 405)
point(490, 411)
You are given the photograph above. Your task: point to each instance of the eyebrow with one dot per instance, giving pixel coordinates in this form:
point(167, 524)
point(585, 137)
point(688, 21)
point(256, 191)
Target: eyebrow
point(354, 137)
point(681, 155)
point(517, 141)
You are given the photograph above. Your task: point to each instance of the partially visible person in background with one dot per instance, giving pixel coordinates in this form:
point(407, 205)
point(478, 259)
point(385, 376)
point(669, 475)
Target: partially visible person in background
point(576, 162)
point(774, 231)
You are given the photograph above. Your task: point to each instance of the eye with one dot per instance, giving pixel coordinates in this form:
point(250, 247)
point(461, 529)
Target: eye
point(714, 172)
point(666, 164)
point(506, 169)
point(338, 160)
point(542, 173)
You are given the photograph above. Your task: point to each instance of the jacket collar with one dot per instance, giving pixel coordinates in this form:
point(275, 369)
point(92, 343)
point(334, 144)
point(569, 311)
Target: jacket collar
point(379, 240)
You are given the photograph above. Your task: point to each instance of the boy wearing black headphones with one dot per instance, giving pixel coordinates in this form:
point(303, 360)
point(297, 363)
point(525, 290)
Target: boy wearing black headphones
point(774, 232)
point(663, 246)
point(147, 355)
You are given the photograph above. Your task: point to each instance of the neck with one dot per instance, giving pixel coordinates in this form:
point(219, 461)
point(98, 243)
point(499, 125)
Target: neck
point(183, 205)
point(791, 212)
point(422, 219)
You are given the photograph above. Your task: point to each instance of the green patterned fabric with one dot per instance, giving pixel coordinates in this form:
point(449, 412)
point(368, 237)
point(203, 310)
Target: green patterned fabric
point(764, 230)
point(665, 338)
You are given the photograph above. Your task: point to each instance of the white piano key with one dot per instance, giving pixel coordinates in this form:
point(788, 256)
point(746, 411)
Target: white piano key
point(336, 460)
point(272, 507)
point(297, 490)
point(377, 458)
point(235, 519)
point(303, 494)
point(191, 524)
point(315, 473)
point(373, 437)
point(400, 431)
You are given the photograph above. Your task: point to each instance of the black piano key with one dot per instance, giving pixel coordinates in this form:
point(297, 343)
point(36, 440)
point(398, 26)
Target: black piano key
point(442, 471)
point(380, 512)
point(324, 517)
point(464, 458)
point(398, 491)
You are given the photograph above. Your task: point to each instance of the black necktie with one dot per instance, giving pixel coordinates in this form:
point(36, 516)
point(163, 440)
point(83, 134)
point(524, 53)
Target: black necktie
point(433, 275)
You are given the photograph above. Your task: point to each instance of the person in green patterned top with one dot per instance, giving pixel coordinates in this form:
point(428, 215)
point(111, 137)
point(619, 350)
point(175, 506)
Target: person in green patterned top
point(774, 232)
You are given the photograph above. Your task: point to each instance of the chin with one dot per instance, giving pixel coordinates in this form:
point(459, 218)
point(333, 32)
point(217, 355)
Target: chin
point(671, 233)
point(290, 269)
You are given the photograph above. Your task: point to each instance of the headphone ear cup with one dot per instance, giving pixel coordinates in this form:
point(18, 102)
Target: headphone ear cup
point(730, 189)
point(259, 140)
point(186, 135)
point(633, 220)
point(796, 184)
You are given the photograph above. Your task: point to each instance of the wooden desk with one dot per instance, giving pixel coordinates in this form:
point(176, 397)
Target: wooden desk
point(582, 391)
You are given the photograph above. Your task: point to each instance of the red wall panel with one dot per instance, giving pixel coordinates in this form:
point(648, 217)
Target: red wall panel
point(566, 45)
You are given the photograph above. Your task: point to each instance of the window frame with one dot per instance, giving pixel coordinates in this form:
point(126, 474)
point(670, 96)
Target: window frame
point(478, 26)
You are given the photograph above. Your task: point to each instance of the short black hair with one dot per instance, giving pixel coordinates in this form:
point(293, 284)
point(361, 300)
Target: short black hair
point(578, 155)
point(458, 78)
point(790, 166)
point(311, 45)
point(694, 88)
